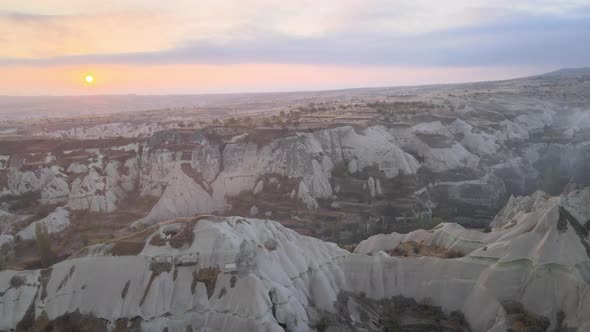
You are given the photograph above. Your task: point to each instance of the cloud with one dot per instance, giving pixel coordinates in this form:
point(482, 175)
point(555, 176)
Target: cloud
point(338, 32)
point(32, 36)
point(543, 40)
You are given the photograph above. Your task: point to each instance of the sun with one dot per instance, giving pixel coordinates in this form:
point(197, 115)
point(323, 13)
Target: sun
point(89, 79)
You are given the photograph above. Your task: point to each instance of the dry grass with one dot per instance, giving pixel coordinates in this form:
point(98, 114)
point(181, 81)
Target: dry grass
point(271, 244)
point(44, 279)
point(73, 321)
point(208, 276)
point(232, 281)
point(157, 241)
point(17, 281)
point(126, 248)
point(413, 249)
point(184, 237)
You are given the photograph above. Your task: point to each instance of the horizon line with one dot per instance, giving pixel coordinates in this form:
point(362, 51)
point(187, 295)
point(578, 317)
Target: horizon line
point(286, 91)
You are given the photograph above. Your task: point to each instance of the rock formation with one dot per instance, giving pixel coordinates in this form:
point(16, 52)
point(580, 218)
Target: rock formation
point(233, 273)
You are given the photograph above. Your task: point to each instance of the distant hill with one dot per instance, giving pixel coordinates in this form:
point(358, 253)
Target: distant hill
point(570, 71)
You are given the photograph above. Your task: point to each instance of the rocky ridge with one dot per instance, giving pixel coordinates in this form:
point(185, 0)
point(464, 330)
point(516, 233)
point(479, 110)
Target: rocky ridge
point(452, 155)
point(228, 273)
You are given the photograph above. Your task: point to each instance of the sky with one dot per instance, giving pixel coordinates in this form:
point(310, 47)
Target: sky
point(47, 47)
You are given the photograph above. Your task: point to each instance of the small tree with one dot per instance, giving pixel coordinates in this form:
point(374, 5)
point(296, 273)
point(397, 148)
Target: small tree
point(43, 245)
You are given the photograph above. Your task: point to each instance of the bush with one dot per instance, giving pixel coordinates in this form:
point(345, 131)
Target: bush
point(208, 276)
point(323, 324)
point(43, 245)
point(340, 170)
point(454, 254)
point(458, 318)
point(184, 237)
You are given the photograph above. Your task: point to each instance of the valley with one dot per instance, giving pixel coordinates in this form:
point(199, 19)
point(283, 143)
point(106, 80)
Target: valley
point(306, 211)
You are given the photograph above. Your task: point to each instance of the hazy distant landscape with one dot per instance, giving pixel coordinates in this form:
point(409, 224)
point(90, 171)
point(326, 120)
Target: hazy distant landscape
point(467, 174)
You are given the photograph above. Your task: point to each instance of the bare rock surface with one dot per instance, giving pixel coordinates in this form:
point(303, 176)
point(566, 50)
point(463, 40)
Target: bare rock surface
point(233, 273)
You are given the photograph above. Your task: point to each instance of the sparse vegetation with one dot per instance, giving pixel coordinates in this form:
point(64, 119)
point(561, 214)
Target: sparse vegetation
point(415, 249)
point(323, 324)
point(44, 277)
point(400, 106)
point(232, 281)
point(126, 248)
point(271, 244)
point(44, 245)
point(184, 237)
point(393, 314)
point(17, 281)
point(157, 268)
point(340, 170)
point(521, 320)
point(158, 241)
point(69, 322)
point(208, 276)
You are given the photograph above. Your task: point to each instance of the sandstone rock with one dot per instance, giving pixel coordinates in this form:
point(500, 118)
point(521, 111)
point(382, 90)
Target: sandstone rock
point(4, 161)
point(56, 221)
point(378, 190)
point(250, 275)
point(258, 188)
point(253, 211)
point(305, 197)
point(352, 166)
point(371, 185)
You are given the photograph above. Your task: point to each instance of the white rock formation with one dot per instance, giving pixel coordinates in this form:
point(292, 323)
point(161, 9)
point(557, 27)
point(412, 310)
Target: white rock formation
point(182, 197)
point(96, 184)
point(247, 259)
point(540, 247)
point(371, 184)
point(242, 164)
point(467, 153)
point(252, 275)
point(3, 161)
point(115, 129)
point(253, 211)
point(56, 221)
point(258, 188)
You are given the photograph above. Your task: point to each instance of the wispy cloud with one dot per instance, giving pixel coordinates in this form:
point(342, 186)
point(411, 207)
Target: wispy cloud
point(61, 28)
point(53, 41)
point(520, 39)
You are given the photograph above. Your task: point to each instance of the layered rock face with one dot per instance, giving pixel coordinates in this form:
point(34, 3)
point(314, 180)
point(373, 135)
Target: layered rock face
point(93, 179)
point(233, 273)
point(176, 166)
point(453, 155)
point(537, 254)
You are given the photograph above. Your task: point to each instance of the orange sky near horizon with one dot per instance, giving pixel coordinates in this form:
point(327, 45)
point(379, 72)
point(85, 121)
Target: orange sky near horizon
point(192, 78)
point(187, 46)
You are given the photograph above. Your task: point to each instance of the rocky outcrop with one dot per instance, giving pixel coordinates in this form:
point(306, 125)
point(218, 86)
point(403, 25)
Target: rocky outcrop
point(96, 181)
point(544, 243)
point(219, 172)
point(55, 222)
point(219, 280)
point(246, 274)
point(115, 129)
point(458, 154)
